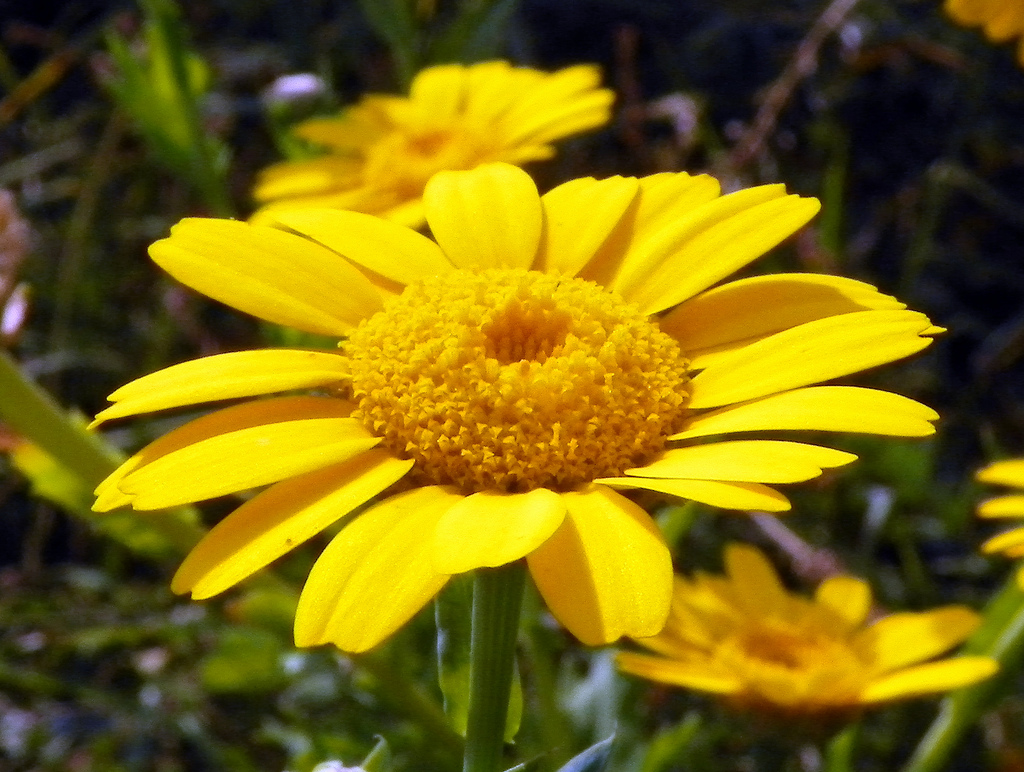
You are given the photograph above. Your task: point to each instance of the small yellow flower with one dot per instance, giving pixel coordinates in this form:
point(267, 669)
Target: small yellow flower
point(382, 151)
point(512, 374)
point(1001, 20)
point(748, 640)
point(1009, 472)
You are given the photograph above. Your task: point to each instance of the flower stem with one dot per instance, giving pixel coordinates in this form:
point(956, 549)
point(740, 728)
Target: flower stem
point(497, 598)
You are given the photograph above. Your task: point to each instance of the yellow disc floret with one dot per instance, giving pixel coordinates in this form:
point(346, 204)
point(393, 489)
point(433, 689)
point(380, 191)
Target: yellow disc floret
point(512, 380)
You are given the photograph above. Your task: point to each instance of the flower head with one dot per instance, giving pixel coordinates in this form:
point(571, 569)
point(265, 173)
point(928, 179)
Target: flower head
point(382, 151)
point(509, 377)
point(1009, 472)
point(746, 639)
point(1001, 20)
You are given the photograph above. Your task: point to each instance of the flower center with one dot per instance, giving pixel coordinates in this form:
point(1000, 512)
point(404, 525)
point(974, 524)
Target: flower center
point(512, 380)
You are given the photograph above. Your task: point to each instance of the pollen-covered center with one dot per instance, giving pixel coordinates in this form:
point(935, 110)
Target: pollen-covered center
point(512, 380)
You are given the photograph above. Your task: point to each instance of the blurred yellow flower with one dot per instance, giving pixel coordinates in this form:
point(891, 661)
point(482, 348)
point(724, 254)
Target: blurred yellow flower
point(746, 639)
point(382, 151)
point(1009, 472)
point(543, 352)
point(1001, 20)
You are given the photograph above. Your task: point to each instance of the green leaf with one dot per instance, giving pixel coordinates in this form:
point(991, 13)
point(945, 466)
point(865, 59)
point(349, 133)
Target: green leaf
point(247, 660)
point(669, 744)
point(593, 759)
point(379, 759)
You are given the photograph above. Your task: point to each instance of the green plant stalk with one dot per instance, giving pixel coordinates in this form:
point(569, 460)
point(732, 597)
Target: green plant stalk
point(33, 414)
point(211, 182)
point(497, 600)
point(1001, 637)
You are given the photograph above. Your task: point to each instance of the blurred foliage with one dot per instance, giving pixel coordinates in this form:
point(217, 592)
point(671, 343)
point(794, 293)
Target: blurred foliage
point(910, 129)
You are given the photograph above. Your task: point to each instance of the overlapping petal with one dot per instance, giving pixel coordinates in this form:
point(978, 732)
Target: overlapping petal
point(375, 574)
point(727, 495)
point(811, 353)
point(491, 218)
point(282, 517)
point(752, 461)
point(606, 572)
point(268, 273)
point(819, 408)
point(492, 529)
point(393, 251)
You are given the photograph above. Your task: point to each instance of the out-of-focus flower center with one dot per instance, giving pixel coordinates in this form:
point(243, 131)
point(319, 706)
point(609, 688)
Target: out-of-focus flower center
point(783, 665)
point(512, 380)
point(405, 160)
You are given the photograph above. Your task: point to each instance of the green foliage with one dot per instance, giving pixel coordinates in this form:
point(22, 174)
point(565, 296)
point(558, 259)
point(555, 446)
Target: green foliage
point(163, 90)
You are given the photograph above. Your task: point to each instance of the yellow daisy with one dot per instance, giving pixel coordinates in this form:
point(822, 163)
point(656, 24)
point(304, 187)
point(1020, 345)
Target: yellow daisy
point(382, 151)
point(539, 354)
point(1009, 472)
point(1001, 20)
point(746, 639)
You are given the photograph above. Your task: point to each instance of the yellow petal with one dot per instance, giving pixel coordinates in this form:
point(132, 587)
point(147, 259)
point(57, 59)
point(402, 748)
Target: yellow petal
point(663, 199)
point(689, 675)
point(606, 572)
point(578, 217)
point(244, 459)
point(903, 639)
point(395, 252)
point(847, 596)
point(819, 408)
point(489, 217)
point(1005, 541)
point(768, 461)
point(811, 353)
point(316, 176)
point(375, 574)
point(492, 529)
point(708, 244)
point(1002, 506)
point(754, 582)
point(552, 100)
point(224, 376)
point(726, 495)
point(585, 111)
point(223, 421)
point(439, 91)
point(1008, 472)
point(753, 308)
point(268, 273)
point(931, 678)
point(282, 517)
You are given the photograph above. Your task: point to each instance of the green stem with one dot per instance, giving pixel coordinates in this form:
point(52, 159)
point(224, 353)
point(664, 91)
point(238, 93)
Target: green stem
point(497, 599)
point(33, 414)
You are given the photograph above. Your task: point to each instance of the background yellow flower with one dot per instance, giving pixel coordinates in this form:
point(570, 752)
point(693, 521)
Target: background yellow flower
point(1008, 472)
point(745, 638)
point(543, 352)
point(1001, 20)
point(382, 151)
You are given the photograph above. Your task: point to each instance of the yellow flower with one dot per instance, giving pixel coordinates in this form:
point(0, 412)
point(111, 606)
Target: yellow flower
point(543, 352)
point(1011, 543)
point(382, 151)
point(746, 639)
point(1001, 20)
